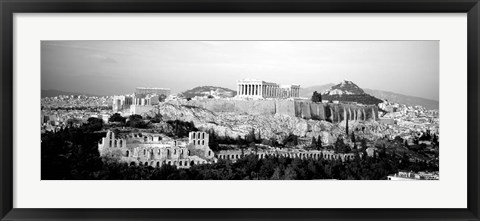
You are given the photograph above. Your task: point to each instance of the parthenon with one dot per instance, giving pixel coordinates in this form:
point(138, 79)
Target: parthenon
point(261, 89)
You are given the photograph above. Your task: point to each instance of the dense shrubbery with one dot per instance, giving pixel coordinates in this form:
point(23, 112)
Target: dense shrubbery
point(116, 117)
point(180, 128)
point(72, 154)
point(316, 97)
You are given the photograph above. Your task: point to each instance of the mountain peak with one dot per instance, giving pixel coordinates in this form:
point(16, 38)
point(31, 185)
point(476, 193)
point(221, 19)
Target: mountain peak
point(344, 87)
point(209, 90)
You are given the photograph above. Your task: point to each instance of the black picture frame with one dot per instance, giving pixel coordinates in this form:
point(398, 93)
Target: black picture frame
point(9, 7)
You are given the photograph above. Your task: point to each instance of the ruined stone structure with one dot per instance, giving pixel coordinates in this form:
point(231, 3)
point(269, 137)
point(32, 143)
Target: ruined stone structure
point(252, 88)
point(234, 155)
point(146, 100)
point(143, 103)
point(122, 102)
point(155, 150)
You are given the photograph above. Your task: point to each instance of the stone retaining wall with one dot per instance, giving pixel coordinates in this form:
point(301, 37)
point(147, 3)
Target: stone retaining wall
point(295, 108)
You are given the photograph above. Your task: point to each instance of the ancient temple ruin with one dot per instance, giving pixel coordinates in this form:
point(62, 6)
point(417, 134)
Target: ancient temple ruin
point(251, 88)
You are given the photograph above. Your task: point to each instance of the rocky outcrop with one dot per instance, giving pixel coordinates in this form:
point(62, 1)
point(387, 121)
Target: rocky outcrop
point(234, 125)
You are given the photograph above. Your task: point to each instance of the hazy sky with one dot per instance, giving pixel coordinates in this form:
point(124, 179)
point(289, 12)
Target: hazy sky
point(117, 67)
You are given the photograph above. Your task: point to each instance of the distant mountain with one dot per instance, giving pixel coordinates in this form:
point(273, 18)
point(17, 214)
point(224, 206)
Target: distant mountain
point(208, 90)
point(384, 95)
point(54, 93)
point(404, 99)
point(348, 91)
point(307, 92)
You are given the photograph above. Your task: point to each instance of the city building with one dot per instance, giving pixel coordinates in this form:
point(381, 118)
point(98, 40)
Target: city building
point(402, 175)
point(251, 88)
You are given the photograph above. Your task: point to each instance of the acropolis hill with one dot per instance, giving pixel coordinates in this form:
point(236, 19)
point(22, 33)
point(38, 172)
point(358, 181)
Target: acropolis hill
point(272, 110)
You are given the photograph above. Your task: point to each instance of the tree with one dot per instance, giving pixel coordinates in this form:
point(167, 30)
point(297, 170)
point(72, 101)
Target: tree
point(136, 121)
point(254, 147)
point(341, 147)
point(435, 139)
point(346, 126)
point(291, 140)
point(290, 174)
point(314, 143)
point(364, 143)
point(116, 117)
point(157, 118)
point(319, 143)
point(316, 97)
point(162, 97)
point(94, 124)
point(251, 136)
point(135, 117)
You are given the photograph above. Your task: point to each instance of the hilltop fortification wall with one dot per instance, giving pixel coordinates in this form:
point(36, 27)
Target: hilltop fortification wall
point(295, 108)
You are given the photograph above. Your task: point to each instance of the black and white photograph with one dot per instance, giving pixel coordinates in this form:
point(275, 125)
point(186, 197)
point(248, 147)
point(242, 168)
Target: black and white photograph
point(240, 110)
